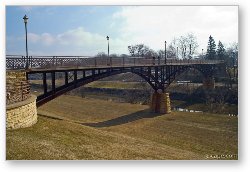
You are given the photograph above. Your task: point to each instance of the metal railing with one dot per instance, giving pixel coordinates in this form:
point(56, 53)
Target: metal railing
point(47, 62)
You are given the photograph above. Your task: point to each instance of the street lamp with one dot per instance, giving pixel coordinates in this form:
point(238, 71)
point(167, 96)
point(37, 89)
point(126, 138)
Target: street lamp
point(177, 52)
point(165, 52)
point(184, 53)
point(25, 19)
point(202, 52)
point(190, 51)
point(108, 50)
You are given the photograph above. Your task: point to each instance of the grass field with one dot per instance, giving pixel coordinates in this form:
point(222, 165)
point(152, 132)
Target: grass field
point(80, 128)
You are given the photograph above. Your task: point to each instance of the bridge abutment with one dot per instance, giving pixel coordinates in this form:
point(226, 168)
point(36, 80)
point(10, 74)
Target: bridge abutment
point(21, 110)
point(160, 103)
point(208, 83)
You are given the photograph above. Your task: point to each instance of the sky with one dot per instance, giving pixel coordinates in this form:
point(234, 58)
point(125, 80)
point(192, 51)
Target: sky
point(82, 30)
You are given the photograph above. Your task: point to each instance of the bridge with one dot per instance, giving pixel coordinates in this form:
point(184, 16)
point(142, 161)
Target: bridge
point(76, 71)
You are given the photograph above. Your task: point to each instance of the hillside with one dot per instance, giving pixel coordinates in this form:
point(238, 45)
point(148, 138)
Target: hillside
point(90, 131)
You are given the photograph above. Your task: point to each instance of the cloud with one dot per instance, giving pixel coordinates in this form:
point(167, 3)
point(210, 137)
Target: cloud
point(79, 37)
point(76, 41)
point(91, 42)
point(47, 39)
point(44, 39)
point(26, 8)
point(153, 25)
point(34, 38)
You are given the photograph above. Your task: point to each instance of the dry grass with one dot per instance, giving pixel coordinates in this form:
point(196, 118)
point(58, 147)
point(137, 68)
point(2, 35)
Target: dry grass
point(117, 84)
point(55, 139)
point(97, 129)
point(100, 84)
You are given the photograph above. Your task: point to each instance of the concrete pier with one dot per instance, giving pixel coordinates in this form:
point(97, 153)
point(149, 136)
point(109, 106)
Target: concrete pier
point(160, 103)
point(208, 83)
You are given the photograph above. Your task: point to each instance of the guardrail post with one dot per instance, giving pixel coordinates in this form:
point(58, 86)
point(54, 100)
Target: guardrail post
point(53, 61)
point(30, 62)
point(56, 61)
point(53, 81)
point(77, 62)
point(13, 64)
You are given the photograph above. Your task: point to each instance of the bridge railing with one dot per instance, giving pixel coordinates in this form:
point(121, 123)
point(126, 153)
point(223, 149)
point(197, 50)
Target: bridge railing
point(46, 62)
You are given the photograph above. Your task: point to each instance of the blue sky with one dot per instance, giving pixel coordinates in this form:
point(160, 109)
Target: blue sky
point(82, 30)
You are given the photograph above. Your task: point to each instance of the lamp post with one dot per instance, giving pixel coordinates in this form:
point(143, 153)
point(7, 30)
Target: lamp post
point(202, 52)
point(184, 53)
point(25, 19)
point(110, 62)
point(165, 52)
point(190, 46)
point(177, 53)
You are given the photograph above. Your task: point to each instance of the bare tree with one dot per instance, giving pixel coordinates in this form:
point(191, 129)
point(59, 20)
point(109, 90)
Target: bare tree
point(132, 50)
point(101, 54)
point(140, 50)
point(161, 53)
point(114, 55)
point(171, 51)
point(182, 44)
point(193, 44)
point(151, 53)
point(187, 45)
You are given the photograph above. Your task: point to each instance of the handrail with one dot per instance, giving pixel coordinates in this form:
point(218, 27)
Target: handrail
point(45, 62)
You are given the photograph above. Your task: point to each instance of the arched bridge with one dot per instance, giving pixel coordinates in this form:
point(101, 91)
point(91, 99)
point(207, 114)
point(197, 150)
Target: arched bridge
point(62, 74)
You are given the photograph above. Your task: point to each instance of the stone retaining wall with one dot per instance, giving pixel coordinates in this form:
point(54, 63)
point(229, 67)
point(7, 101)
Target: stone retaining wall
point(21, 108)
point(22, 114)
point(17, 87)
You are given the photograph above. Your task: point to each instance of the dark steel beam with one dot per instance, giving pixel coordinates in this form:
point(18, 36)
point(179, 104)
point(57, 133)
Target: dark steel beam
point(44, 83)
point(75, 77)
point(66, 79)
point(53, 81)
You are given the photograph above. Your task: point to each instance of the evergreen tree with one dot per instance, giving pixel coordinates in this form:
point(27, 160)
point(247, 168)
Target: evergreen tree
point(221, 51)
point(211, 49)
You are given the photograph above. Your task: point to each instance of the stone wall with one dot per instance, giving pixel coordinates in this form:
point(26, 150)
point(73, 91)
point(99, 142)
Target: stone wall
point(160, 103)
point(17, 87)
point(22, 114)
point(21, 108)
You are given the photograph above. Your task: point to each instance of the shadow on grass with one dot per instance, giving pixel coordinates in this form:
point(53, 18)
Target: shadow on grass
point(124, 119)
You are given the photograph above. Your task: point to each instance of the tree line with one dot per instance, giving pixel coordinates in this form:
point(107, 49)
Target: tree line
point(219, 52)
point(184, 47)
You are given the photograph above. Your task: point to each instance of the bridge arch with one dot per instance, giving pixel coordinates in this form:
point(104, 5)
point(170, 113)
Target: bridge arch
point(158, 77)
point(179, 71)
point(57, 91)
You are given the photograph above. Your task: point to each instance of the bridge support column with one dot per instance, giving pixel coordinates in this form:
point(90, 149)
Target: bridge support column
point(208, 83)
point(160, 103)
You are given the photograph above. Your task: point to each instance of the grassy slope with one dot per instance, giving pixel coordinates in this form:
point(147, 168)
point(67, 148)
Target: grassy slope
point(56, 139)
point(121, 131)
